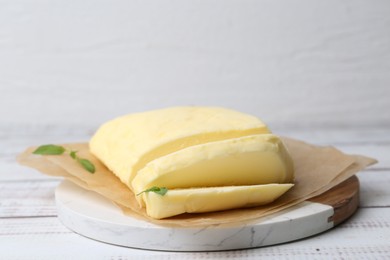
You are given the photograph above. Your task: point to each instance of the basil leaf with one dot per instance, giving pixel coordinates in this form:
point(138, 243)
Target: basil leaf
point(159, 190)
point(49, 149)
point(73, 154)
point(87, 165)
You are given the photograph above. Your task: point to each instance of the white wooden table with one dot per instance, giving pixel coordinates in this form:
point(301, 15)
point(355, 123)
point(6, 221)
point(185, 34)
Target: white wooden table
point(30, 229)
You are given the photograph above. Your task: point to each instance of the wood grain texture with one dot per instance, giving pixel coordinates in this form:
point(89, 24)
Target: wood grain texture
point(28, 198)
point(344, 198)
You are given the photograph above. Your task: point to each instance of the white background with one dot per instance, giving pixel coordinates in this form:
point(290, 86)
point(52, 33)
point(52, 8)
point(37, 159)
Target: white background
point(75, 64)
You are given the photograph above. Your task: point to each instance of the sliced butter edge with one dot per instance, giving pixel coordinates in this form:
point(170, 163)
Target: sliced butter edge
point(248, 160)
point(200, 200)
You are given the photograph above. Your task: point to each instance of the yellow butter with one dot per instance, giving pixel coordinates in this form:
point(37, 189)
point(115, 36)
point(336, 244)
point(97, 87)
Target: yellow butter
point(126, 144)
point(209, 158)
point(248, 160)
point(198, 200)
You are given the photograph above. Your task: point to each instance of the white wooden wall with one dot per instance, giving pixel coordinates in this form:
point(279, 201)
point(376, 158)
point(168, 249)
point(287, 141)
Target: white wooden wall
point(75, 64)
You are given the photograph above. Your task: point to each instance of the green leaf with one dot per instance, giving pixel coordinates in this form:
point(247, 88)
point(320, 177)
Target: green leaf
point(87, 165)
point(73, 154)
point(159, 190)
point(49, 149)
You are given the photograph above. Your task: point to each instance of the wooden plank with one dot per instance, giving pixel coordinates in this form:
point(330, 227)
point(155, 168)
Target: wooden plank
point(12, 171)
point(28, 198)
point(47, 238)
point(374, 189)
point(363, 236)
point(379, 152)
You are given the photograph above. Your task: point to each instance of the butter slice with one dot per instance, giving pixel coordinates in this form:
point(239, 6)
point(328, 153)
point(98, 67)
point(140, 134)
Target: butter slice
point(248, 160)
point(198, 200)
point(126, 144)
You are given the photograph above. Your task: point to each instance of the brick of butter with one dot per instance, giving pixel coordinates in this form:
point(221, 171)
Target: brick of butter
point(183, 148)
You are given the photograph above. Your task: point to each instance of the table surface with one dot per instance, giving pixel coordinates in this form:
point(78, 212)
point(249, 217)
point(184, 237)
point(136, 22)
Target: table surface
point(29, 224)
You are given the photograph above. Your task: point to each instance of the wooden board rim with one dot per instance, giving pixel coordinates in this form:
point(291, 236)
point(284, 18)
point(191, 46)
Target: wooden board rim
point(343, 198)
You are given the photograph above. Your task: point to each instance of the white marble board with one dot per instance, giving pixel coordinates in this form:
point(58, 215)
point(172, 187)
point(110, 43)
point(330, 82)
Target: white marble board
point(91, 215)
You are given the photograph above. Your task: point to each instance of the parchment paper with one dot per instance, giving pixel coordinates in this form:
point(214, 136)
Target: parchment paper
point(317, 169)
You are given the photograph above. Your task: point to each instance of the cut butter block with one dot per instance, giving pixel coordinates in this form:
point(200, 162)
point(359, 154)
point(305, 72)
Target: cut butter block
point(126, 144)
point(198, 200)
point(248, 160)
point(209, 158)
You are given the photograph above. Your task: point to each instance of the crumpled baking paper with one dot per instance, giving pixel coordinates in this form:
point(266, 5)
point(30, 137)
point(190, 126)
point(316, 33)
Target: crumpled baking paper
point(317, 169)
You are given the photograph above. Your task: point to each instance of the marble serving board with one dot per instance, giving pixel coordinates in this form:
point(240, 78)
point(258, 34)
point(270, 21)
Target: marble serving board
point(91, 215)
